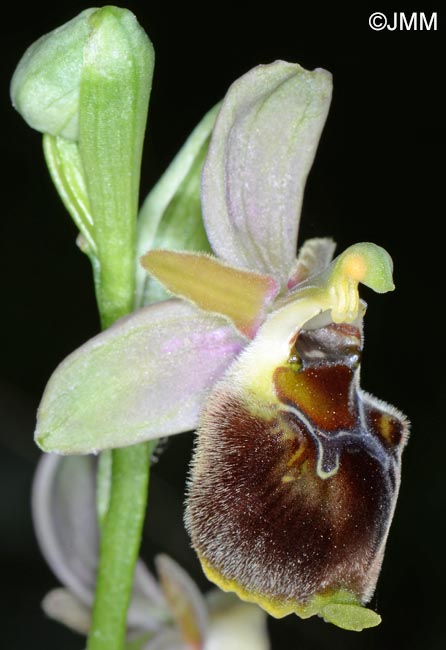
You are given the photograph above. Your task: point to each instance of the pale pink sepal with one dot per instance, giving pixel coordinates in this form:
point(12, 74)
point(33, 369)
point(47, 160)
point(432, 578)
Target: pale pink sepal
point(64, 516)
point(65, 522)
point(262, 149)
point(146, 376)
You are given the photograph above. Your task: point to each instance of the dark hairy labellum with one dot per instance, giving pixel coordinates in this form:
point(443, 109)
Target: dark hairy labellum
point(293, 500)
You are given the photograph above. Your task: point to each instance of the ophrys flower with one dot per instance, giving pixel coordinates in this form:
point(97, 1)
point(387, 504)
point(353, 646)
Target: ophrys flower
point(296, 470)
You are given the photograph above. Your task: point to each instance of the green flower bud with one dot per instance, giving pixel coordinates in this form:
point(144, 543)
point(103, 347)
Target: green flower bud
point(86, 86)
point(45, 86)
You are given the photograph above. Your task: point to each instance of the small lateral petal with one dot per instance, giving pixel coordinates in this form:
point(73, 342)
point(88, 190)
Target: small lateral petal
point(146, 376)
point(314, 257)
point(241, 296)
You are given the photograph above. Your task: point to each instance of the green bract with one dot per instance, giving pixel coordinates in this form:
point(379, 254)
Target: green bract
point(170, 216)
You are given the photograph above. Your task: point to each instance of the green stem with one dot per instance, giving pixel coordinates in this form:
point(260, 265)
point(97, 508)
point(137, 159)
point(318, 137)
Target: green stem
point(117, 66)
point(120, 541)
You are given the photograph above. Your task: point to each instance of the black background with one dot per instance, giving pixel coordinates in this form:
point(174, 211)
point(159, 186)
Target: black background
point(378, 176)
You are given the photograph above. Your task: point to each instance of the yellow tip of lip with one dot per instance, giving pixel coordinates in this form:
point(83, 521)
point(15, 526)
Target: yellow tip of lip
point(341, 608)
point(272, 607)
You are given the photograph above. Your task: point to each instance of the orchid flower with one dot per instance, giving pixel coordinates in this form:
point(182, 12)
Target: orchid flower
point(170, 614)
point(296, 469)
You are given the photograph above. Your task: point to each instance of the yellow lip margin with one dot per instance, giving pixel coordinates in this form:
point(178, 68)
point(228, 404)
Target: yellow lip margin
point(341, 607)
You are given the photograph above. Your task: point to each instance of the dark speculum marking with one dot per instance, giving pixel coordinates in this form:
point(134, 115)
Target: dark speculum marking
point(298, 503)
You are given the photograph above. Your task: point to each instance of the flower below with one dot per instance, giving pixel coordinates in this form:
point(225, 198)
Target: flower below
point(165, 614)
point(296, 469)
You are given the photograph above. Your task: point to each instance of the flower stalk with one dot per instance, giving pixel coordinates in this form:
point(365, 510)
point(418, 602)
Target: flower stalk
point(114, 97)
point(86, 86)
point(119, 546)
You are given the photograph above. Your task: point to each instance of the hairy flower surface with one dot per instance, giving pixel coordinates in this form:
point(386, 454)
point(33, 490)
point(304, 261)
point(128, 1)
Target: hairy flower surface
point(296, 469)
